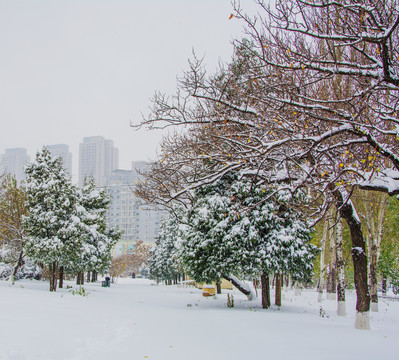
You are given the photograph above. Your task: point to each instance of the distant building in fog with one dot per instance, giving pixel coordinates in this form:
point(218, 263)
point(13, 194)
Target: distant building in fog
point(125, 212)
point(62, 150)
point(97, 158)
point(13, 162)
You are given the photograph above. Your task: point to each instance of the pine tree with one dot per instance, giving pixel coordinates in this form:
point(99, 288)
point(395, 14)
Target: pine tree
point(53, 224)
point(97, 239)
point(163, 265)
point(238, 228)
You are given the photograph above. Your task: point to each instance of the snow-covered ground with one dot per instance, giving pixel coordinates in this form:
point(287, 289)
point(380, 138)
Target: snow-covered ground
point(135, 319)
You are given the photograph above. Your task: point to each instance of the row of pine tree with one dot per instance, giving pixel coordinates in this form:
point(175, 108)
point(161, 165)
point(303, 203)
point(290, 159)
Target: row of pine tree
point(65, 226)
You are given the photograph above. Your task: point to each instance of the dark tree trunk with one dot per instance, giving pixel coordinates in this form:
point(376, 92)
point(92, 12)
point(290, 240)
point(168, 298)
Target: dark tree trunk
point(265, 290)
point(359, 258)
point(80, 279)
point(18, 265)
point(358, 252)
point(218, 286)
point(94, 276)
point(277, 295)
point(88, 279)
point(61, 275)
point(384, 285)
point(53, 276)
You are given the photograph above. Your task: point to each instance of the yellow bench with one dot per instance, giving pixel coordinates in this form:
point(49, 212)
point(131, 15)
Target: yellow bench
point(208, 290)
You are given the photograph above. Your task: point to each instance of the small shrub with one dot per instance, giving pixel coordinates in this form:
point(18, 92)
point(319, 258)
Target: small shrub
point(322, 313)
point(230, 301)
point(81, 292)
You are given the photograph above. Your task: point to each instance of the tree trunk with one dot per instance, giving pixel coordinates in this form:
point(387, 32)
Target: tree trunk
point(332, 274)
point(244, 288)
point(256, 284)
point(88, 279)
point(374, 249)
point(384, 285)
point(53, 276)
point(359, 258)
point(265, 290)
point(61, 275)
point(322, 266)
point(373, 253)
point(218, 286)
point(17, 265)
point(94, 276)
point(277, 294)
point(80, 279)
point(341, 306)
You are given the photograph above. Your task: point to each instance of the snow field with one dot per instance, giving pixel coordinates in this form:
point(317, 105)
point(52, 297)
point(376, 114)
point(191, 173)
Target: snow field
point(136, 319)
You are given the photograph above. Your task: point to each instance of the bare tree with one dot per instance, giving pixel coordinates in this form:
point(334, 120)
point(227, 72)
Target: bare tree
point(119, 266)
point(139, 256)
point(309, 99)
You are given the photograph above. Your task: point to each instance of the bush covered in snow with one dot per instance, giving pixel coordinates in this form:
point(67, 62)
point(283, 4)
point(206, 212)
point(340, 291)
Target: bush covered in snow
point(28, 270)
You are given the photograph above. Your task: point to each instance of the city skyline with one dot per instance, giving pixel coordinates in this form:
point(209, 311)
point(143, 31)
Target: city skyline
point(15, 155)
point(99, 159)
point(83, 68)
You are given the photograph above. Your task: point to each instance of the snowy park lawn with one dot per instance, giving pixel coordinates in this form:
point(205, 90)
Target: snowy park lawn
point(136, 319)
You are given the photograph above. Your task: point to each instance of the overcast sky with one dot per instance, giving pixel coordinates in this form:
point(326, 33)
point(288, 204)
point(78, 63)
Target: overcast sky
point(76, 68)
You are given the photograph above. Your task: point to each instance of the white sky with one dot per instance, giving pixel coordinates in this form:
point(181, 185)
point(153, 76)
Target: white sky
point(76, 68)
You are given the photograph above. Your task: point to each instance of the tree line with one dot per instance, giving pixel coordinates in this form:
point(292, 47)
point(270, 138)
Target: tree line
point(54, 224)
point(307, 103)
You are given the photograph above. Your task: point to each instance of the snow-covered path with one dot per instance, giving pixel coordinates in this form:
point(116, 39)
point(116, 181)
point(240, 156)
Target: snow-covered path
point(135, 319)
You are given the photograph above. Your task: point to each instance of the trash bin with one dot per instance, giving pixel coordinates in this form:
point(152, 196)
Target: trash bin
point(106, 282)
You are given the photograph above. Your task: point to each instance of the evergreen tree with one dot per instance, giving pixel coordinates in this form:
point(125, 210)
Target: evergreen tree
point(162, 265)
point(53, 223)
point(241, 229)
point(97, 239)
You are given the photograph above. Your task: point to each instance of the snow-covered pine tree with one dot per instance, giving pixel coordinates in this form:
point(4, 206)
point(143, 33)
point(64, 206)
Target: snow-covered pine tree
point(209, 249)
point(52, 223)
point(97, 238)
point(162, 265)
point(238, 228)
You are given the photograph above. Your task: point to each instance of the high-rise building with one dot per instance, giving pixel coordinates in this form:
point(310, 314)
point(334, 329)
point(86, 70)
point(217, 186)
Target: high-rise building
point(97, 158)
point(62, 150)
point(125, 212)
point(13, 162)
